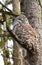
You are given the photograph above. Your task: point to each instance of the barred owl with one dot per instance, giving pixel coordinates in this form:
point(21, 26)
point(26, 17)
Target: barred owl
point(26, 33)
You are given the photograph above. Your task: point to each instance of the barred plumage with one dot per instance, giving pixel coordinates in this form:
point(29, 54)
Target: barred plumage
point(26, 33)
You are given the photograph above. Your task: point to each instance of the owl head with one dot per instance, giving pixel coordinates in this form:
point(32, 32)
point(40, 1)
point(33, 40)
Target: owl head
point(21, 19)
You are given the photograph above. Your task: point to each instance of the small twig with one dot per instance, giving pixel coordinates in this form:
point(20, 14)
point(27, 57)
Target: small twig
point(9, 13)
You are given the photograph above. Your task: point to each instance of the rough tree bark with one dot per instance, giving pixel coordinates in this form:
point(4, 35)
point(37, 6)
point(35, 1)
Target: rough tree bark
point(33, 12)
point(16, 6)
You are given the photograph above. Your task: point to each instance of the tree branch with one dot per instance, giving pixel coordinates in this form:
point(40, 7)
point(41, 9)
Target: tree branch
point(40, 3)
point(9, 13)
point(8, 10)
point(21, 42)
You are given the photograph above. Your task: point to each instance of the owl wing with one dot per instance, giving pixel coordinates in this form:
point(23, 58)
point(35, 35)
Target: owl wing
point(27, 34)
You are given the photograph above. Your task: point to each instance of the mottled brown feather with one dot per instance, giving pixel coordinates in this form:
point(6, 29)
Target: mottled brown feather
point(26, 33)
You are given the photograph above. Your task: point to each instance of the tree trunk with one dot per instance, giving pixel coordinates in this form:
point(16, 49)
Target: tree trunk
point(16, 6)
point(18, 58)
point(33, 12)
